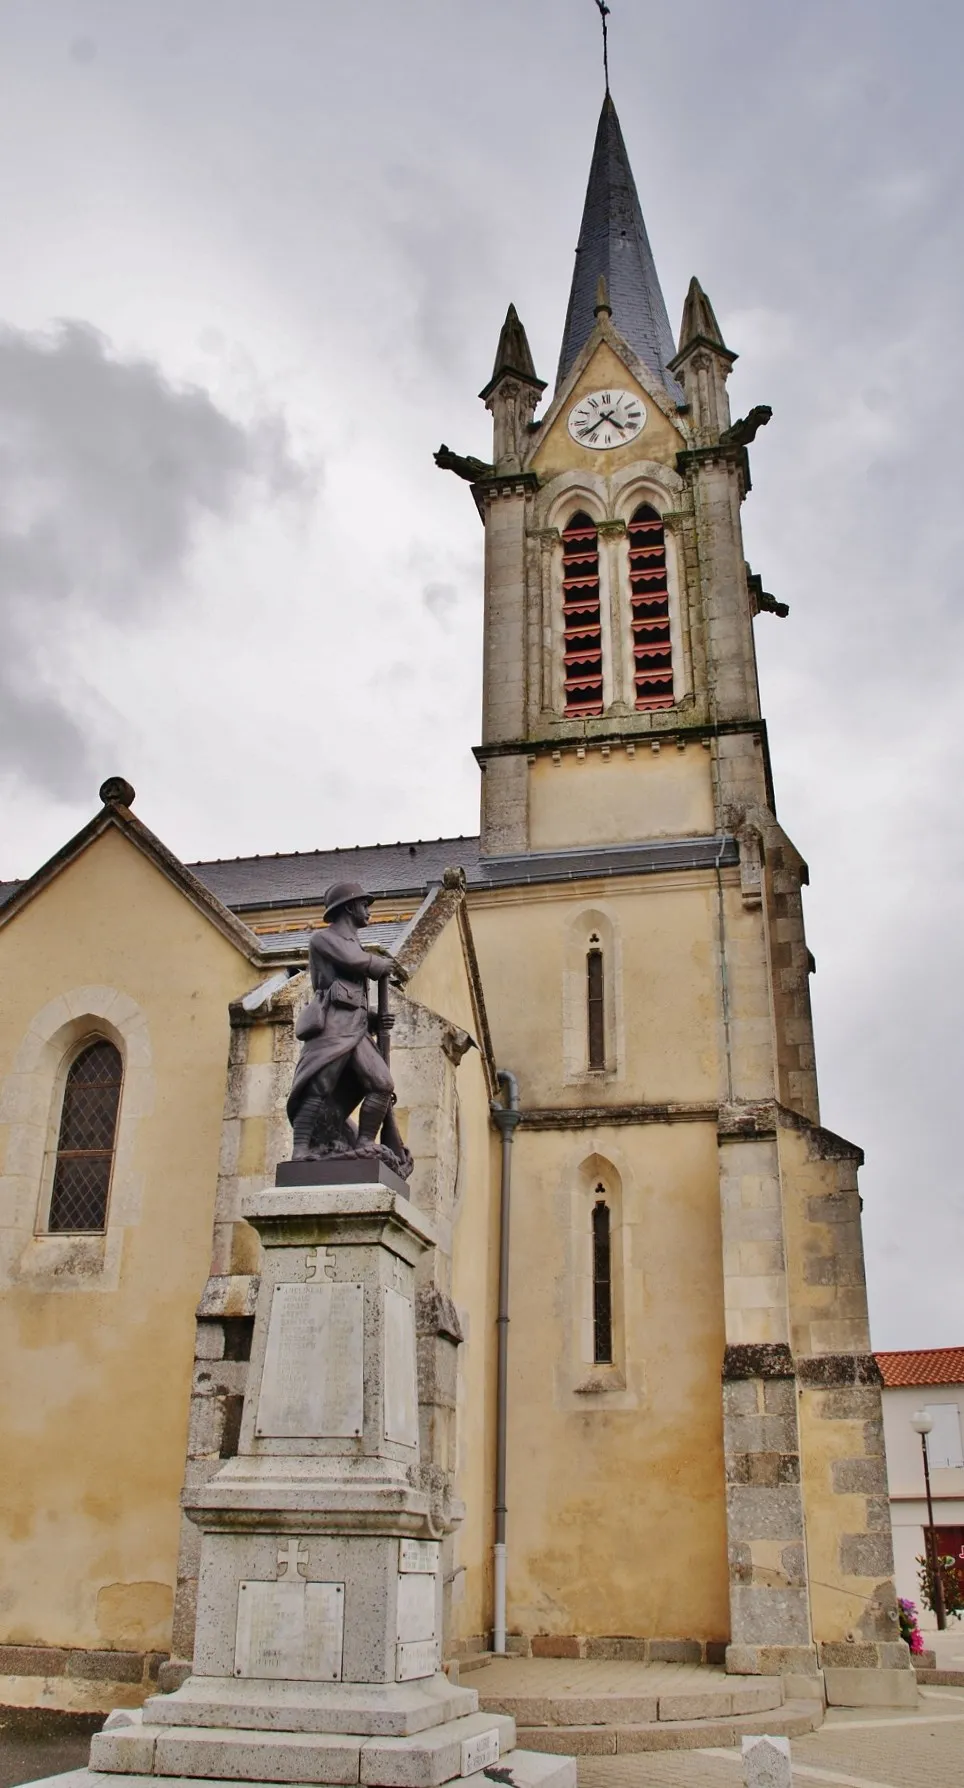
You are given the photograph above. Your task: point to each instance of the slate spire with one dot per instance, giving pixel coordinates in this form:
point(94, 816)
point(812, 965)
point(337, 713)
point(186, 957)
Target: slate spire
point(613, 243)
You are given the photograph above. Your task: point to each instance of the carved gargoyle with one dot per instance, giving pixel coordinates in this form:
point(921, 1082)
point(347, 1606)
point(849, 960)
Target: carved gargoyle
point(761, 602)
point(464, 466)
point(744, 430)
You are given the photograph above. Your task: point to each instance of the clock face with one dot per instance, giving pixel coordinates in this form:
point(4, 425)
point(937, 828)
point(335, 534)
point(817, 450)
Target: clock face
point(607, 419)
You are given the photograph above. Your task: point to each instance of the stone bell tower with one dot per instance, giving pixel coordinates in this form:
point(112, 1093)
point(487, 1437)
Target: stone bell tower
point(640, 932)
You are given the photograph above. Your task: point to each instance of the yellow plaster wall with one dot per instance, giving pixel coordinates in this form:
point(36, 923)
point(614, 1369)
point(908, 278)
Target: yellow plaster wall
point(94, 1417)
point(596, 800)
point(667, 1003)
point(616, 1504)
point(659, 440)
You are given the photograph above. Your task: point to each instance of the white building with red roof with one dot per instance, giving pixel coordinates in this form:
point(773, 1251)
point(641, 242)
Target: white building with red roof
point(930, 1379)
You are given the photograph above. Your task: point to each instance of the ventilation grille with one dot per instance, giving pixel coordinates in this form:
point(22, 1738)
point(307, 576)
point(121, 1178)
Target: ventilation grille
point(580, 603)
point(652, 651)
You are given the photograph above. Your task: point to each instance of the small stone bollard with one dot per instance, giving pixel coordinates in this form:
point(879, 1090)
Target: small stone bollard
point(766, 1763)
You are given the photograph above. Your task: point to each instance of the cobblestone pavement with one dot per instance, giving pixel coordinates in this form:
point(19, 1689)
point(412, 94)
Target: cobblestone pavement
point(853, 1749)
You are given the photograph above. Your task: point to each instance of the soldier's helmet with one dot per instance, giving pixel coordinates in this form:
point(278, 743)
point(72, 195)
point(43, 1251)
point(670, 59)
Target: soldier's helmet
point(340, 894)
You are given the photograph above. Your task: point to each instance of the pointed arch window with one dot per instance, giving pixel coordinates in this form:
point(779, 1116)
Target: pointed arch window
point(602, 1281)
point(85, 1143)
point(581, 616)
point(649, 597)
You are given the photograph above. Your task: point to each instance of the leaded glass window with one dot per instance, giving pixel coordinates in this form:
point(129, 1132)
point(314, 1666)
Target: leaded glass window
point(85, 1145)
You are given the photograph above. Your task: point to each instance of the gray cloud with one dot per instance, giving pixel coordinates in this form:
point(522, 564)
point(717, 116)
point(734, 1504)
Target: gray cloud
point(107, 470)
point(440, 600)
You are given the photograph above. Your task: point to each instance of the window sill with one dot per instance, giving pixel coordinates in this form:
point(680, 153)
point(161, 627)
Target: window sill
point(600, 1380)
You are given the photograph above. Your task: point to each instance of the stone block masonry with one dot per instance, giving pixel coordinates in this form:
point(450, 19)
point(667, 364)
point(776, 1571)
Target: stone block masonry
point(319, 1587)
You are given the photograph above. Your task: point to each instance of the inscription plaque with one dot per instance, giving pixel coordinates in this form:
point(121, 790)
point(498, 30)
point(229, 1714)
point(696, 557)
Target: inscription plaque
point(415, 1608)
point(290, 1629)
point(401, 1391)
point(481, 1752)
point(419, 1659)
point(312, 1383)
point(418, 1555)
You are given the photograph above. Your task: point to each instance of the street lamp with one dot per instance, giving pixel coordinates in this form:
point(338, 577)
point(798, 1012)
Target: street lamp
point(923, 1423)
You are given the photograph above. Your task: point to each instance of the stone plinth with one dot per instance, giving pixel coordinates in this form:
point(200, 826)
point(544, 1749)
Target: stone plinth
point(319, 1622)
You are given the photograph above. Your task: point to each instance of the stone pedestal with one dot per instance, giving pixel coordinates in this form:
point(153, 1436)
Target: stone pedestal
point(319, 1624)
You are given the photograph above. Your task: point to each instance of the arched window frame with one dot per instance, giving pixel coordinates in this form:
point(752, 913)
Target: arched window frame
point(583, 646)
point(593, 929)
point(602, 1279)
point(58, 1155)
point(661, 493)
point(595, 1006)
point(560, 500)
point(597, 1181)
point(651, 663)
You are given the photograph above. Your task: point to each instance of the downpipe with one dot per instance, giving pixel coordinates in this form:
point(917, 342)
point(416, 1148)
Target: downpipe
point(506, 1116)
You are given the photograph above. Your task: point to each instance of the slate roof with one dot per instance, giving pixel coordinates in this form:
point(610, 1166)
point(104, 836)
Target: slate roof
point(613, 241)
point(406, 870)
point(921, 1366)
point(383, 869)
point(295, 943)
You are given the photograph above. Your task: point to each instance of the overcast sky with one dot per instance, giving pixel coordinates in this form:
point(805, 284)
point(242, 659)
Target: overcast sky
point(256, 257)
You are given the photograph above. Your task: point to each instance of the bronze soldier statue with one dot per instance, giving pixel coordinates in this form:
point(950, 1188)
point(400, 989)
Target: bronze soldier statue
point(340, 1066)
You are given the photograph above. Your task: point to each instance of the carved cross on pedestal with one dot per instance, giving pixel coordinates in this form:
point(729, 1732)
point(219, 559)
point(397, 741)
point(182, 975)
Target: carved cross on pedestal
point(293, 1559)
point(316, 1257)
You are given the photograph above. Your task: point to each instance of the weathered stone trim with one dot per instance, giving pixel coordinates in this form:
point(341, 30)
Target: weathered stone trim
point(586, 1117)
point(766, 1359)
point(625, 1647)
point(80, 1664)
point(827, 1370)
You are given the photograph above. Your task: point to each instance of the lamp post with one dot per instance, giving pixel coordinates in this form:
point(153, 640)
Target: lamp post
point(923, 1423)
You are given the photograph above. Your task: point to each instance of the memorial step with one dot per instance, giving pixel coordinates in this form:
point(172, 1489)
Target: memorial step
point(530, 1769)
point(426, 1759)
point(389, 1710)
point(587, 1692)
point(791, 1720)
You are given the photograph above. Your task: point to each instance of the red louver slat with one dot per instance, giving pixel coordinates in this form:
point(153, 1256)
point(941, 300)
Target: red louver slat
point(582, 651)
point(649, 597)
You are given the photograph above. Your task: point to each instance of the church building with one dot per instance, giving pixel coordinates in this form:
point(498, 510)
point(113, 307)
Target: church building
point(644, 1353)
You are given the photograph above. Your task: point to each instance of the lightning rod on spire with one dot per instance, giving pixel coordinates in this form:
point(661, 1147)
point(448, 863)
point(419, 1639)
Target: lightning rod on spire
point(604, 12)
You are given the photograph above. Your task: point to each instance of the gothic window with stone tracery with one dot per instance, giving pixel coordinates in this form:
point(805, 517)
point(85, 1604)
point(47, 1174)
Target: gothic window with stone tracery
point(85, 1143)
point(649, 599)
point(581, 616)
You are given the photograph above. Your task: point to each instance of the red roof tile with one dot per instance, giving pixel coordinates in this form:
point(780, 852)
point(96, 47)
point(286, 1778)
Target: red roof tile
point(924, 1365)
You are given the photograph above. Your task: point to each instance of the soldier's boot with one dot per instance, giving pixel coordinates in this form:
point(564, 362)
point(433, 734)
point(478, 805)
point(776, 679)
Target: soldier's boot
point(374, 1108)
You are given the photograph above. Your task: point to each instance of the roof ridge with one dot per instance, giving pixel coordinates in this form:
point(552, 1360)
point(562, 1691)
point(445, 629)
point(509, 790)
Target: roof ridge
point(338, 849)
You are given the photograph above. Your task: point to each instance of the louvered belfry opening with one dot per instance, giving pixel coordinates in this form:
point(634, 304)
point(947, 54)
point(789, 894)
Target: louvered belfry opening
point(649, 595)
point(580, 603)
point(85, 1146)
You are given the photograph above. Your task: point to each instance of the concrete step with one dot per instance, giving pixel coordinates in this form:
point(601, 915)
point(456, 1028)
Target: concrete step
point(530, 1769)
point(790, 1720)
point(716, 1697)
point(386, 1710)
point(422, 1760)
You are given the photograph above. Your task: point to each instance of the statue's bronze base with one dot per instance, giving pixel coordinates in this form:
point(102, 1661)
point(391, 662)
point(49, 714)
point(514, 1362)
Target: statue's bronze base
point(340, 1170)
